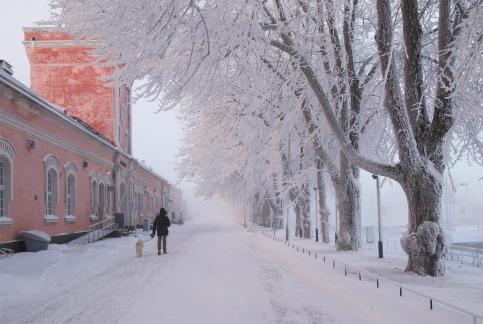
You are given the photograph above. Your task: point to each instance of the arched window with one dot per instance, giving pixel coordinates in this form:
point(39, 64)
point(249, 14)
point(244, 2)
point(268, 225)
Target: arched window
point(123, 200)
point(101, 201)
point(70, 194)
point(94, 200)
point(138, 199)
point(70, 191)
point(4, 186)
point(108, 199)
point(51, 188)
point(7, 154)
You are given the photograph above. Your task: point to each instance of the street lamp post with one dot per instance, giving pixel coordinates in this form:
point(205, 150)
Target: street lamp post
point(379, 243)
point(336, 218)
point(286, 225)
point(288, 189)
point(244, 214)
point(316, 223)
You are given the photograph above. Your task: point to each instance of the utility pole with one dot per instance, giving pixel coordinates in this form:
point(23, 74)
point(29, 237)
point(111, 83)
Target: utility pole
point(379, 243)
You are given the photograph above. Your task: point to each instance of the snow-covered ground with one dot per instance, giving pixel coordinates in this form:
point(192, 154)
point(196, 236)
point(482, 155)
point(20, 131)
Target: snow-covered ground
point(216, 272)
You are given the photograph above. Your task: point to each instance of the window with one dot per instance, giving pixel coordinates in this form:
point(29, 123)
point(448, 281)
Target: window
point(138, 204)
point(3, 209)
point(70, 197)
point(70, 194)
point(123, 199)
point(6, 192)
point(94, 200)
point(108, 199)
point(51, 188)
point(3, 188)
point(101, 202)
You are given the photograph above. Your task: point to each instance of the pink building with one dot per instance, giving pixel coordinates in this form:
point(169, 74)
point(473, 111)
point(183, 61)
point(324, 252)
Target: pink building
point(65, 146)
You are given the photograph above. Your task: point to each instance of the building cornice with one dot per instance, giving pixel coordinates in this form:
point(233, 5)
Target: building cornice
point(58, 112)
point(60, 43)
point(39, 29)
point(24, 126)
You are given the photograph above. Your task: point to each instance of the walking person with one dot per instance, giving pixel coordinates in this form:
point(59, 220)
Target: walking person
point(160, 226)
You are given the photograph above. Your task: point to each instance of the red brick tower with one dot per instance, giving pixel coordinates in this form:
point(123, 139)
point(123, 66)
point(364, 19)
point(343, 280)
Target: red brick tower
point(63, 72)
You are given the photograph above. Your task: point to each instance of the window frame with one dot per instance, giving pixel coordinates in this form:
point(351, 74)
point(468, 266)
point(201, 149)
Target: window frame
point(7, 155)
point(70, 171)
point(51, 167)
point(94, 188)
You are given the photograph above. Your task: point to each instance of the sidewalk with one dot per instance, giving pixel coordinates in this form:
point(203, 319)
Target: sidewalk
point(462, 286)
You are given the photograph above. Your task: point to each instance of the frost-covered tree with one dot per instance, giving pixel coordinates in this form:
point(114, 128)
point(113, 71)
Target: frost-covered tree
point(193, 53)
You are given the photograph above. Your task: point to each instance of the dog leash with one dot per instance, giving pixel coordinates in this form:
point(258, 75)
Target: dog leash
point(148, 240)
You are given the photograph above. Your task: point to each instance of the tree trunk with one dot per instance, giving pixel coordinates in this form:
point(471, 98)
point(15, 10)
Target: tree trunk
point(424, 242)
point(323, 210)
point(298, 225)
point(348, 204)
point(295, 199)
point(266, 219)
point(256, 210)
point(277, 212)
point(305, 211)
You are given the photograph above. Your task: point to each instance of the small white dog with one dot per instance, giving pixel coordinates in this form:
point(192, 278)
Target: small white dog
point(139, 247)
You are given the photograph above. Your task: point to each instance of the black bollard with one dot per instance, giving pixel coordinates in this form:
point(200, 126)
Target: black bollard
point(379, 246)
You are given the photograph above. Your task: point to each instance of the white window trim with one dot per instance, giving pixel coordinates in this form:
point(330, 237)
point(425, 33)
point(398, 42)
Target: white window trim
point(51, 219)
point(101, 182)
point(70, 219)
point(70, 170)
point(8, 152)
point(94, 197)
point(5, 220)
point(51, 163)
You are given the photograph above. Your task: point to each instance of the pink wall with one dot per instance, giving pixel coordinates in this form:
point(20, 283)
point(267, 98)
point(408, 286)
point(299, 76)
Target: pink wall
point(27, 209)
point(63, 72)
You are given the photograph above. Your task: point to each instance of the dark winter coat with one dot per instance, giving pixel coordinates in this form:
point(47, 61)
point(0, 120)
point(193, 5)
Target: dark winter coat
point(161, 224)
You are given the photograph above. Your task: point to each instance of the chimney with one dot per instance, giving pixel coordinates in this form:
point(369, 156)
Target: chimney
point(64, 73)
point(6, 67)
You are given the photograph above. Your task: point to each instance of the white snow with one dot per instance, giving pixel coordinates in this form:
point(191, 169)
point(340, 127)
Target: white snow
point(216, 272)
point(37, 235)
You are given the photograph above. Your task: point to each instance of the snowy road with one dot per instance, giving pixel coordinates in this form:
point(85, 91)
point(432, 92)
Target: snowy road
point(214, 272)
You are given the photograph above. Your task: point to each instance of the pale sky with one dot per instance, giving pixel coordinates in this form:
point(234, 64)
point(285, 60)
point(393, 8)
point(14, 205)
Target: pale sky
point(156, 136)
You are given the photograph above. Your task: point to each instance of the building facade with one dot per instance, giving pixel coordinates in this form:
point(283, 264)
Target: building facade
point(65, 145)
